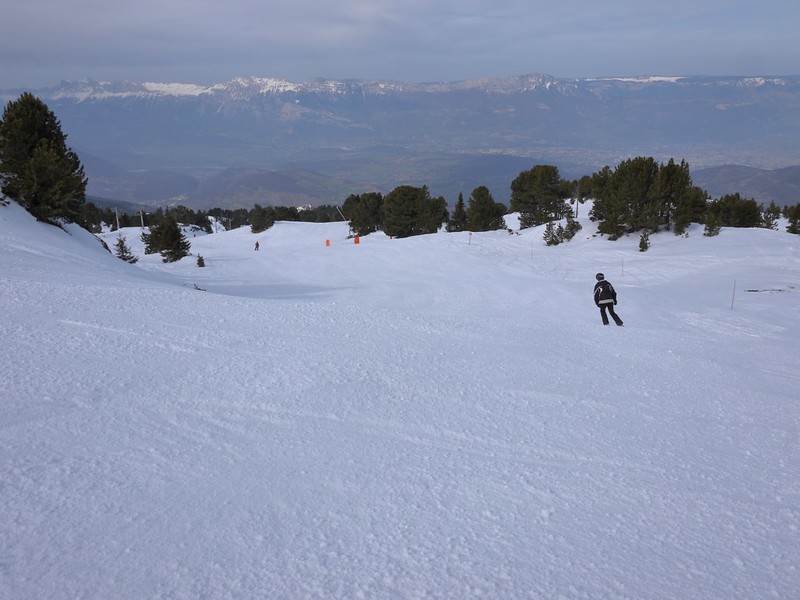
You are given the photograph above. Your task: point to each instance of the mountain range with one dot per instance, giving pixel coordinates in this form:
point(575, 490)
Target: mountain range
point(276, 142)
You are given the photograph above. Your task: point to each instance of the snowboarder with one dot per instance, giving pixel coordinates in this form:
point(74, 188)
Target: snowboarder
point(605, 297)
point(256, 246)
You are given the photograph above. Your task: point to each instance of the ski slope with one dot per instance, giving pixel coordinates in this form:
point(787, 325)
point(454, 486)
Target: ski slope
point(435, 417)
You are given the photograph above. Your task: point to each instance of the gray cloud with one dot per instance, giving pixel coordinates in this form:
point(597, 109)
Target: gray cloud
point(44, 41)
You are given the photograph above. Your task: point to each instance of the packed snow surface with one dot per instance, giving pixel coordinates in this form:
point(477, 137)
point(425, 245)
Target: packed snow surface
point(436, 417)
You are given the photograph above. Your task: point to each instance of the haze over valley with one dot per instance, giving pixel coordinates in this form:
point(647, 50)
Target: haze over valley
point(271, 141)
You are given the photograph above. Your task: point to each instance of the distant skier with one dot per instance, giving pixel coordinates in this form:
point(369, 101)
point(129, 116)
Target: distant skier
point(605, 297)
point(256, 246)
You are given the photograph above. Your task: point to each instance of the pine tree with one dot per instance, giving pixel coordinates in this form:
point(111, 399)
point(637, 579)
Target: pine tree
point(600, 186)
point(261, 218)
point(793, 213)
point(123, 251)
point(458, 221)
point(483, 213)
point(176, 246)
point(410, 210)
point(37, 169)
point(731, 210)
point(712, 227)
point(550, 235)
point(201, 261)
point(644, 242)
point(152, 239)
point(669, 193)
point(572, 227)
point(538, 195)
point(167, 239)
point(364, 212)
point(771, 216)
point(691, 208)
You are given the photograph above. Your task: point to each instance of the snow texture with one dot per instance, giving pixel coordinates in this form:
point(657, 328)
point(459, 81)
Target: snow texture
point(437, 417)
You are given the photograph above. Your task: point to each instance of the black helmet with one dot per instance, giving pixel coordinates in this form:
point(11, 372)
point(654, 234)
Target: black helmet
point(599, 277)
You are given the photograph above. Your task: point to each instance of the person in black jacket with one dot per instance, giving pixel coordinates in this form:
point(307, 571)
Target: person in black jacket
point(605, 297)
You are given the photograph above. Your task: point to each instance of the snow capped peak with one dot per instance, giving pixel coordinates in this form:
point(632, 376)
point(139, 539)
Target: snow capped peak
point(99, 90)
point(645, 79)
point(761, 81)
point(262, 85)
point(243, 88)
point(238, 87)
point(175, 89)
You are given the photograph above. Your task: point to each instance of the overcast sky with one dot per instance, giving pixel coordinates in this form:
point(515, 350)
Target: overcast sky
point(207, 41)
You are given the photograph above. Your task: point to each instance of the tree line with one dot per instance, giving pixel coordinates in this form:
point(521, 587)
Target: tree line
point(639, 195)
point(40, 172)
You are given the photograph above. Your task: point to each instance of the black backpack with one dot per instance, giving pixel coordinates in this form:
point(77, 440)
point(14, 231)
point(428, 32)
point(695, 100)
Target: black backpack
point(605, 291)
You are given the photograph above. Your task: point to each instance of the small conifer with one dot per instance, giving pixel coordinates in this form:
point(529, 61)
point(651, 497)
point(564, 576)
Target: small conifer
point(123, 251)
point(793, 214)
point(573, 226)
point(458, 220)
point(551, 237)
point(712, 227)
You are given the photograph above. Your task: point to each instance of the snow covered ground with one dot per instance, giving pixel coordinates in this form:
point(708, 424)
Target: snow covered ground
point(435, 417)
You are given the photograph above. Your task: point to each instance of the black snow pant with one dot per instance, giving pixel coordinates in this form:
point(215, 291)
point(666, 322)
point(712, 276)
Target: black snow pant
point(610, 308)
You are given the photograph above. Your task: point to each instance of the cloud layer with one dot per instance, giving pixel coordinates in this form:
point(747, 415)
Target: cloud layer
point(411, 40)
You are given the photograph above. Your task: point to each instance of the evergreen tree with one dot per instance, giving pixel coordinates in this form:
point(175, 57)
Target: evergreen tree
point(731, 210)
point(691, 208)
point(584, 187)
point(641, 194)
point(167, 239)
point(601, 183)
point(37, 169)
point(349, 206)
point(555, 234)
point(176, 246)
point(538, 195)
point(572, 227)
point(286, 213)
point(671, 188)
point(410, 210)
point(401, 211)
point(92, 218)
point(187, 216)
point(483, 213)
point(793, 214)
point(458, 220)
point(633, 196)
point(712, 226)
point(202, 221)
point(771, 216)
point(154, 237)
point(201, 261)
point(123, 251)
point(550, 236)
point(365, 212)
point(261, 218)
point(644, 242)
point(433, 212)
